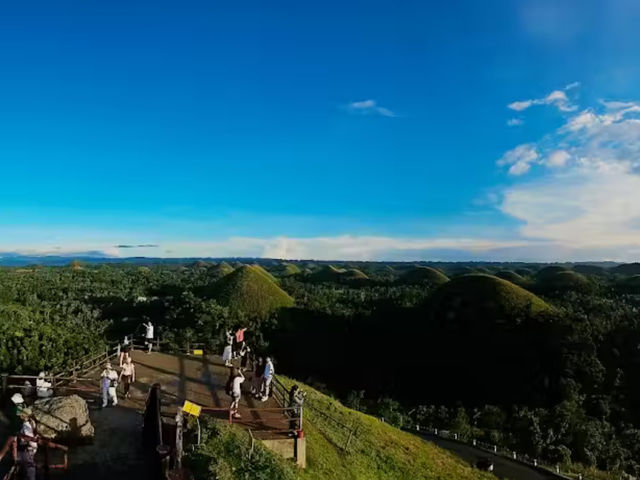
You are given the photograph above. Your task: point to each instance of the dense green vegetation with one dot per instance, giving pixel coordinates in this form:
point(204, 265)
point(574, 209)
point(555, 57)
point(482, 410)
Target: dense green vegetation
point(549, 367)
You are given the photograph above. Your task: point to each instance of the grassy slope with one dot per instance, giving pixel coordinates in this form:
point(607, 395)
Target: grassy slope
point(468, 296)
point(248, 289)
point(378, 451)
point(424, 274)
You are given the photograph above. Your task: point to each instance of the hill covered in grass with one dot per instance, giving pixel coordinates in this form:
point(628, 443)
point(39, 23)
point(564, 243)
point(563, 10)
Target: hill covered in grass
point(466, 299)
point(376, 450)
point(220, 270)
point(511, 276)
point(333, 274)
point(420, 274)
point(563, 281)
point(251, 290)
point(627, 269)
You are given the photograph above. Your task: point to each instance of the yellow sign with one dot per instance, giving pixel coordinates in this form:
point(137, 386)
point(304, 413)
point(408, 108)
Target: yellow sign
point(191, 408)
point(197, 352)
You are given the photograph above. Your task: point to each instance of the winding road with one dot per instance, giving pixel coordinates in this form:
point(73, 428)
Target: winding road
point(503, 467)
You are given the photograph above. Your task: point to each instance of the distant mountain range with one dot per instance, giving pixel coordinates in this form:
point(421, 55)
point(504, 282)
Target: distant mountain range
point(11, 259)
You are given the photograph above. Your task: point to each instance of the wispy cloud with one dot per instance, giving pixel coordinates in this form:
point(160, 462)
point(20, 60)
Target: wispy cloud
point(557, 98)
point(514, 122)
point(369, 107)
point(520, 158)
point(144, 245)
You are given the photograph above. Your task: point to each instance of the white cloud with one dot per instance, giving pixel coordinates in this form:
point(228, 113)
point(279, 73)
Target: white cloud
point(514, 122)
point(557, 98)
point(369, 107)
point(520, 159)
point(589, 199)
point(557, 159)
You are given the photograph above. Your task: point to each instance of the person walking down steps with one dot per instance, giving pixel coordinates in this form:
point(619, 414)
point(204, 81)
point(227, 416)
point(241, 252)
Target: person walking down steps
point(127, 375)
point(109, 382)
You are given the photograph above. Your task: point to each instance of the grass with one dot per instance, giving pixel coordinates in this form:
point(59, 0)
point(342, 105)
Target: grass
point(511, 276)
point(333, 274)
point(478, 296)
point(221, 269)
point(377, 450)
point(248, 289)
point(422, 274)
point(549, 271)
point(563, 281)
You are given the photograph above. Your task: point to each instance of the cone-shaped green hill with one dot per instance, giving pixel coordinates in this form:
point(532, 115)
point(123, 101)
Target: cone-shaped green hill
point(467, 299)
point(422, 274)
point(249, 290)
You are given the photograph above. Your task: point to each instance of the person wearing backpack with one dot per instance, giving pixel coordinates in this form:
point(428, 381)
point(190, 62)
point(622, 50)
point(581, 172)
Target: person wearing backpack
point(109, 382)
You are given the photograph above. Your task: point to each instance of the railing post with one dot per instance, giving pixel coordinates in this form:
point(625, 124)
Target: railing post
point(351, 434)
point(46, 461)
point(179, 425)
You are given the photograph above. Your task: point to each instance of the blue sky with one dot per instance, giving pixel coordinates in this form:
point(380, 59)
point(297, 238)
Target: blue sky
point(364, 130)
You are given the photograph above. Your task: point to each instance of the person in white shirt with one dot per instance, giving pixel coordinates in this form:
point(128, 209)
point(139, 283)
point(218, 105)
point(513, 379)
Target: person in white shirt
point(27, 447)
point(236, 392)
point(148, 335)
point(43, 388)
point(128, 374)
point(267, 377)
point(109, 382)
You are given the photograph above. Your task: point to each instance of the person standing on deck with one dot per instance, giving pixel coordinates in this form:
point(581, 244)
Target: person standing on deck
point(128, 375)
point(108, 382)
point(236, 392)
point(244, 356)
point(267, 377)
point(227, 353)
point(148, 335)
point(27, 446)
point(239, 338)
point(43, 388)
point(126, 350)
point(256, 381)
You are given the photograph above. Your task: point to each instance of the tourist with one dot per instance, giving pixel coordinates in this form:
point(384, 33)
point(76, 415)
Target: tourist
point(227, 356)
point(17, 405)
point(109, 382)
point(27, 446)
point(244, 356)
point(43, 388)
point(148, 335)
point(127, 375)
point(256, 381)
point(125, 352)
point(296, 399)
point(239, 339)
point(267, 377)
point(236, 392)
